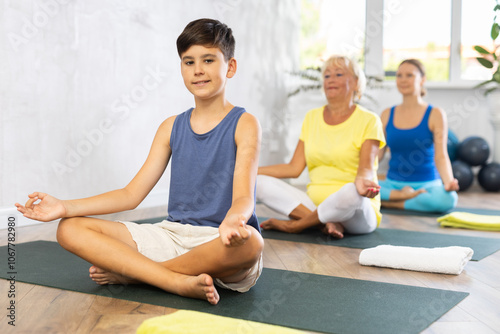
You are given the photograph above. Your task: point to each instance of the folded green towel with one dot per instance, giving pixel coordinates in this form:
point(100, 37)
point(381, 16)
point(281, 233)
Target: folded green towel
point(193, 322)
point(470, 221)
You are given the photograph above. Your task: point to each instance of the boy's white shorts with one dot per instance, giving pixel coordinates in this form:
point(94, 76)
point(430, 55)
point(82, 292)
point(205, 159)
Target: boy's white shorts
point(166, 240)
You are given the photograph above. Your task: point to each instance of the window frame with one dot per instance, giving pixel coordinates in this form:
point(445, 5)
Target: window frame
point(374, 46)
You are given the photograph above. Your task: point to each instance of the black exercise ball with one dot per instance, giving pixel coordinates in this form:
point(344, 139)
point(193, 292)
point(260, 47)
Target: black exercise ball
point(474, 151)
point(463, 173)
point(489, 177)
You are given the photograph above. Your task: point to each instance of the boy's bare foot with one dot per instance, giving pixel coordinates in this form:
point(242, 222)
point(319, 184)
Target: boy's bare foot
point(103, 277)
point(336, 230)
point(405, 193)
point(277, 224)
point(199, 287)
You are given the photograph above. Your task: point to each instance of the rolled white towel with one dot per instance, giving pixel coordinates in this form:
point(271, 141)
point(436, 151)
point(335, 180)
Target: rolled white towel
point(444, 260)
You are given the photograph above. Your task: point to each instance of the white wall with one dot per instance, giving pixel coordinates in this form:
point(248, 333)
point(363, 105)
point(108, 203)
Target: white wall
point(85, 84)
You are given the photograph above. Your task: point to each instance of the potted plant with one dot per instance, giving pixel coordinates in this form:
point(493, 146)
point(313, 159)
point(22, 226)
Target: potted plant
point(490, 60)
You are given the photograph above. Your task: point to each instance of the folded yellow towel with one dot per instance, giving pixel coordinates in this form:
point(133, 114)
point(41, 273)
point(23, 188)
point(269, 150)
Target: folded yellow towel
point(470, 221)
point(194, 322)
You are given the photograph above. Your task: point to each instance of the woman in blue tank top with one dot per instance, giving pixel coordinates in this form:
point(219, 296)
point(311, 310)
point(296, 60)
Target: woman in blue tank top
point(420, 177)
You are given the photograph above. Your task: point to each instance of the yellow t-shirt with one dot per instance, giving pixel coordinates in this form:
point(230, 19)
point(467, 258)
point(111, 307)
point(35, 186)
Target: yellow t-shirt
point(332, 151)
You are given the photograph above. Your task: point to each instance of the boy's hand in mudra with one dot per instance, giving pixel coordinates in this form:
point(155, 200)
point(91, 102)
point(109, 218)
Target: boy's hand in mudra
point(49, 208)
point(234, 230)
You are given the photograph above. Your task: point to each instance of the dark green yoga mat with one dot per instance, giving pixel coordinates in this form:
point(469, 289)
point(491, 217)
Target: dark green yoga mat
point(292, 299)
point(435, 214)
point(383, 236)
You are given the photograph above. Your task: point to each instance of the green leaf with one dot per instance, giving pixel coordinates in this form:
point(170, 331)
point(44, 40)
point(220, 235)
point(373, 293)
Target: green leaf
point(495, 30)
point(490, 90)
point(483, 83)
point(481, 50)
point(295, 92)
point(496, 76)
point(497, 7)
point(485, 62)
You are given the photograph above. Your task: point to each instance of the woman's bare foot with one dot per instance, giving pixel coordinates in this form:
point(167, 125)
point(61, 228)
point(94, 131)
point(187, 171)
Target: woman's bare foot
point(405, 193)
point(335, 230)
point(103, 277)
point(278, 224)
point(199, 287)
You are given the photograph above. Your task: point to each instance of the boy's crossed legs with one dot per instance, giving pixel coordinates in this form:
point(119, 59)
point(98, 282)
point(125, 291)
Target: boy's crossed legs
point(109, 246)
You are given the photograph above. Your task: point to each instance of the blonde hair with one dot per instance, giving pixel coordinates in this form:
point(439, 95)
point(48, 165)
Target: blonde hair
point(353, 67)
point(421, 69)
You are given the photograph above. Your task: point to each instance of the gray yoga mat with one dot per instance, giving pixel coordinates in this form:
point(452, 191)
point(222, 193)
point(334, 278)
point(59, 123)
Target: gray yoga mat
point(291, 299)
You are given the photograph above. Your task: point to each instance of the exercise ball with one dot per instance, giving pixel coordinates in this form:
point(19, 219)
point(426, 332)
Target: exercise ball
point(453, 144)
point(463, 173)
point(489, 177)
point(474, 151)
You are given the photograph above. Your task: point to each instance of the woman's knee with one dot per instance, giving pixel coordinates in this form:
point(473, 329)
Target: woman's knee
point(443, 200)
point(447, 201)
point(262, 182)
point(350, 196)
point(265, 185)
point(434, 200)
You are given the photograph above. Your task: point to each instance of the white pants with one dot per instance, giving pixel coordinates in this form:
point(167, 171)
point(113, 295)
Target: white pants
point(345, 206)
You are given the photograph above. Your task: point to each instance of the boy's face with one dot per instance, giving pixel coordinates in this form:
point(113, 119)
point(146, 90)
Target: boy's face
point(205, 71)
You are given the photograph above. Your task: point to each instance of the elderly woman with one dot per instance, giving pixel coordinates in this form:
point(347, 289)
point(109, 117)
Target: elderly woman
point(339, 144)
point(420, 177)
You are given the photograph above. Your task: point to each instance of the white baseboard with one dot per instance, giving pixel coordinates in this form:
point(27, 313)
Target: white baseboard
point(10, 214)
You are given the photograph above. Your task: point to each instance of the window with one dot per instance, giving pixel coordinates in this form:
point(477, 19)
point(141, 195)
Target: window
point(381, 33)
point(412, 30)
point(327, 30)
point(477, 18)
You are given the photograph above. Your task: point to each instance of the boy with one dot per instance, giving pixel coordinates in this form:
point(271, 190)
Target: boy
point(211, 235)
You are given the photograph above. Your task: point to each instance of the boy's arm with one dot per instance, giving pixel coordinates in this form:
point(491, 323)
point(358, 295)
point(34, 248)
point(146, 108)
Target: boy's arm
point(44, 207)
point(233, 229)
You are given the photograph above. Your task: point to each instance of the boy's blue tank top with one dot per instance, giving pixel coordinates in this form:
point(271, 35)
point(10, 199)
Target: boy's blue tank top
point(202, 169)
point(412, 151)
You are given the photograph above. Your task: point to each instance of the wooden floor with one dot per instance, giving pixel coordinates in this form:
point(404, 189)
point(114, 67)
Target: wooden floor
point(48, 310)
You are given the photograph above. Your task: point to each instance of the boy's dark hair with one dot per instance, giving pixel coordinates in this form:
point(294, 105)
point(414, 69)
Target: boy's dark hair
point(207, 32)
